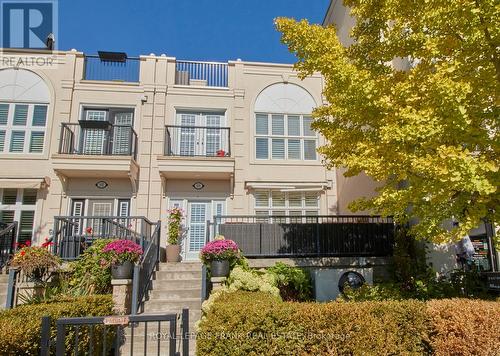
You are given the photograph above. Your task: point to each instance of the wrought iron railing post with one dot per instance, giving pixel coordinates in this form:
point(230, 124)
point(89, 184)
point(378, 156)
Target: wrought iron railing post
point(11, 288)
point(318, 248)
point(45, 336)
point(61, 335)
point(135, 289)
point(185, 332)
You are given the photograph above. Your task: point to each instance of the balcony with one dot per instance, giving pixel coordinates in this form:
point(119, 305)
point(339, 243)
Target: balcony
point(211, 74)
point(193, 150)
point(97, 149)
point(111, 66)
point(309, 236)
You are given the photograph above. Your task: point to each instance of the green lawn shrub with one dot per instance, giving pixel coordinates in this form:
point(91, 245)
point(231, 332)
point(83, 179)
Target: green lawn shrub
point(20, 327)
point(257, 323)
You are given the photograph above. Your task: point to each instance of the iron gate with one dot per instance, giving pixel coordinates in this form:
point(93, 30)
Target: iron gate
point(143, 334)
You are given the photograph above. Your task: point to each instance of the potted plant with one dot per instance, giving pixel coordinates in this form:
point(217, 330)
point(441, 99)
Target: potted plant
point(122, 254)
point(218, 254)
point(35, 262)
point(174, 232)
point(221, 153)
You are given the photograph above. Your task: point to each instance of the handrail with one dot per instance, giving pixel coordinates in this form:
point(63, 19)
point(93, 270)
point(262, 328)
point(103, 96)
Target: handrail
point(8, 239)
point(145, 269)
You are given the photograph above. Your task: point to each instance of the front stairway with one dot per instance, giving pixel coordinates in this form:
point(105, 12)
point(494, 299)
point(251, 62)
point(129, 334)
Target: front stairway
point(175, 286)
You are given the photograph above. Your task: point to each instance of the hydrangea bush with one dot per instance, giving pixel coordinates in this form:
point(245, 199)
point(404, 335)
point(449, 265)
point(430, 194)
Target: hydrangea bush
point(219, 249)
point(123, 250)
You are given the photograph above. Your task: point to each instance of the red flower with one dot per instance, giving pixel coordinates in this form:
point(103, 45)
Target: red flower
point(22, 252)
point(88, 230)
point(28, 243)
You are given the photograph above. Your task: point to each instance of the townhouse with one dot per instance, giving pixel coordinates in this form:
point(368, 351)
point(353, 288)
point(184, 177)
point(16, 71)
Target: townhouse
point(114, 136)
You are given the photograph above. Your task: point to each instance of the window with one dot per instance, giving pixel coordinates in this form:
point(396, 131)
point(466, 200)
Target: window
point(22, 127)
point(280, 136)
point(19, 205)
point(278, 203)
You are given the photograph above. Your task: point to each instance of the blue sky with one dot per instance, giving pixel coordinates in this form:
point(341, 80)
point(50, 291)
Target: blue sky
point(217, 30)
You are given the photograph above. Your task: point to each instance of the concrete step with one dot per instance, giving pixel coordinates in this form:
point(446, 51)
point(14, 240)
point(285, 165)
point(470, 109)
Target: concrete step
point(180, 266)
point(162, 305)
point(176, 284)
point(183, 275)
point(175, 294)
point(152, 347)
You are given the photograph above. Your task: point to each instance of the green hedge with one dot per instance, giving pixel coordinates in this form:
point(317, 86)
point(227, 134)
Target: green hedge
point(256, 323)
point(20, 327)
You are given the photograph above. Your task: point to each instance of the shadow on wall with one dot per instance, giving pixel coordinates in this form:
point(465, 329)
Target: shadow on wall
point(352, 188)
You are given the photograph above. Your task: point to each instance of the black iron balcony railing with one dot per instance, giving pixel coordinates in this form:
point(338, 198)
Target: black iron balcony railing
point(211, 74)
point(98, 138)
point(97, 68)
point(308, 236)
point(201, 141)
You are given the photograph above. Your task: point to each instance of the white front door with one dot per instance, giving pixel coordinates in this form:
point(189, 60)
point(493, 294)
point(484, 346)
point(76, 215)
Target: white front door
point(198, 213)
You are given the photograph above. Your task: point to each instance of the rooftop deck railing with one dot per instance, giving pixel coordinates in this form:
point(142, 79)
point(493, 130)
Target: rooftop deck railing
point(308, 236)
point(101, 69)
point(212, 74)
point(100, 139)
point(197, 141)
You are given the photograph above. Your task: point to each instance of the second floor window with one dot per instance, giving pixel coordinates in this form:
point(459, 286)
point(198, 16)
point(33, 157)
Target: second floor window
point(22, 127)
point(284, 137)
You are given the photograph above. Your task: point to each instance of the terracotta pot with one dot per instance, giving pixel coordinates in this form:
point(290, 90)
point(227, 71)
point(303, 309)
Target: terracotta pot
point(173, 253)
point(123, 270)
point(219, 268)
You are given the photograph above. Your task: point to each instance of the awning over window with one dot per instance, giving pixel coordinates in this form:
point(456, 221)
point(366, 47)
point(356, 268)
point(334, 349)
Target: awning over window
point(289, 186)
point(25, 183)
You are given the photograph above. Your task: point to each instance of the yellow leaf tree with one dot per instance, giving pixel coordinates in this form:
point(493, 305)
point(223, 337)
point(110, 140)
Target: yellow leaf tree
point(428, 131)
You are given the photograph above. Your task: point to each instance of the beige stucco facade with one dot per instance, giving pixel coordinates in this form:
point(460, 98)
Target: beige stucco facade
point(152, 179)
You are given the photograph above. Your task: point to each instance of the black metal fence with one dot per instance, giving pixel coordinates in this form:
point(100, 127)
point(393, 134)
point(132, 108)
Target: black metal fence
point(73, 234)
point(8, 235)
point(197, 141)
point(117, 335)
point(311, 236)
point(102, 138)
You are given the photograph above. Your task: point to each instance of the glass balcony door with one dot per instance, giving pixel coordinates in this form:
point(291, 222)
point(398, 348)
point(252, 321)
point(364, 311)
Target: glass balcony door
point(199, 134)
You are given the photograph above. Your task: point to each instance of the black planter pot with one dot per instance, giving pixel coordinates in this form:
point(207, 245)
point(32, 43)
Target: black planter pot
point(122, 271)
point(219, 268)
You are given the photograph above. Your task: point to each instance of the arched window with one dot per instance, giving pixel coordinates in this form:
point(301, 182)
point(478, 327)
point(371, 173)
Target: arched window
point(283, 124)
point(24, 99)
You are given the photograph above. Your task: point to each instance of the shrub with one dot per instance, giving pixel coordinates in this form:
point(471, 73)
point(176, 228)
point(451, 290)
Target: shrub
point(20, 327)
point(35, 262)
point(91, 273)
point(120, 251)
point(241, 323)
point(464, 327)
point(294, 283)
point(252, 280)
point(218, 250)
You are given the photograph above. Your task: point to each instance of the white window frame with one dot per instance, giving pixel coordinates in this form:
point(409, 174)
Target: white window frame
point(27, 129)
point(287, 208)
point(19, 207)
point(286, 137)
point(116, 204)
